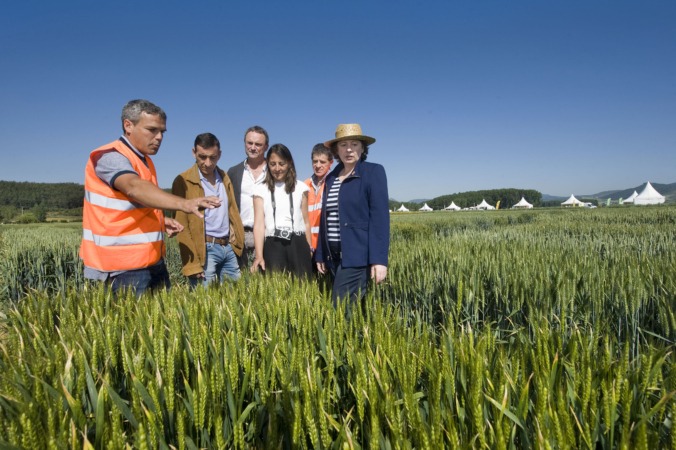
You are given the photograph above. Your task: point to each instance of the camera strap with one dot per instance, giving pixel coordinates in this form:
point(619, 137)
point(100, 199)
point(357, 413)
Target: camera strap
point(274, 210)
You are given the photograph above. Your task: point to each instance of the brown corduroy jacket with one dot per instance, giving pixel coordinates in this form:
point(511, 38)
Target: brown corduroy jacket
point(192, 242)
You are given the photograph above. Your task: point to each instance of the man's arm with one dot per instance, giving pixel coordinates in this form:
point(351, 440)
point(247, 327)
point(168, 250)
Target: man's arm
point(148, 194)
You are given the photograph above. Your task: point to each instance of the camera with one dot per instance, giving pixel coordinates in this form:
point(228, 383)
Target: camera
point(283, 233)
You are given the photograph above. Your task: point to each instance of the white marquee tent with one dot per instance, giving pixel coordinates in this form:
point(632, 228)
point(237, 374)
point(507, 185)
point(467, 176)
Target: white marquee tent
point(425, 208)
point(649, 196)
point(523, 204)
point(572, 201)
point(452, 207)
point(484, 205)
point(631, 198)
point(402, 208)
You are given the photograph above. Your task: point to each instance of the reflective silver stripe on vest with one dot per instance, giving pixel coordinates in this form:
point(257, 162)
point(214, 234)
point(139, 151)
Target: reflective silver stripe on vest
point(314, 207)
point(109, 241)
point(110, 203)
point(314, 230)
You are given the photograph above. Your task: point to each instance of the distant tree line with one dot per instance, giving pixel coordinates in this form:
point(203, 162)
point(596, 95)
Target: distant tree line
point(507, 198)
point(30, 202)
point(51, 195)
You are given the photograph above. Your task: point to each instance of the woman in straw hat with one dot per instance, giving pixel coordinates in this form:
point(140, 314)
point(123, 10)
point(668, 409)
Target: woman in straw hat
point(354, 234)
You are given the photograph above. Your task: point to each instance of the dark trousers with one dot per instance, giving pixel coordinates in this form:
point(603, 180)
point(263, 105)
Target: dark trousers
point(284, 255)
point(349, 283)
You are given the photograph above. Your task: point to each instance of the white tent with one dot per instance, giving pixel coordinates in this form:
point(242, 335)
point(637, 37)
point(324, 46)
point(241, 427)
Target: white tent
point(523, 204)
point(484, 205)
point(572, 201)
point(425, 208)
point(631, 198)
point(452, 207)
point(649, 196)
point(402, 208)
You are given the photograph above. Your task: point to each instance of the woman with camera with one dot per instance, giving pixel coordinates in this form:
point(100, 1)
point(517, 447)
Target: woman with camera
point(281, 225)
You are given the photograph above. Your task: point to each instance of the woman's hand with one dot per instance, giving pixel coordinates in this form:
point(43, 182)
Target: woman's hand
point(378, 273)
point(321, 268)
point(258, 262)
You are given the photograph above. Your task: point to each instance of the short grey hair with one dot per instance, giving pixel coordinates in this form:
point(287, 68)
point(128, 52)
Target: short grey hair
point(134, 108)
point(260, 130)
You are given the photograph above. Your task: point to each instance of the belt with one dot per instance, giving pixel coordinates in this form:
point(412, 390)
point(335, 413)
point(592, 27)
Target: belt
point(248, 228)
point(217, 240)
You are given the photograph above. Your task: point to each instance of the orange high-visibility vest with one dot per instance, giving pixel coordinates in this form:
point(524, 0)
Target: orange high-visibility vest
point(118, 234)
point(314, 207)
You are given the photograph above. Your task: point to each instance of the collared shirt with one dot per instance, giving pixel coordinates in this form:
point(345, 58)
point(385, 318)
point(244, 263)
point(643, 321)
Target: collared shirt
point(318, 183)
point(246, 201)
point(216, 221)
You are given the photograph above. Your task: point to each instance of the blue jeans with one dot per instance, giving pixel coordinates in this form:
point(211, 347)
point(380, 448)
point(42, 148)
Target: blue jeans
point(151, 279)
point(221, 264)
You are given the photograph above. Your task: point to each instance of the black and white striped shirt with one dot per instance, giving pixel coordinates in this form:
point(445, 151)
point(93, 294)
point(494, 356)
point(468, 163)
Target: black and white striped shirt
point(332, 217)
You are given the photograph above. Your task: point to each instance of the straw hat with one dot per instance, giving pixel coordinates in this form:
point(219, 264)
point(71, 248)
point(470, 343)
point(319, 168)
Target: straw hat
point(346, 131)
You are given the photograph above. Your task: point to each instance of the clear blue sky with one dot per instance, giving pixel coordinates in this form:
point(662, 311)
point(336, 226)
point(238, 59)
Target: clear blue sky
point(559, 96)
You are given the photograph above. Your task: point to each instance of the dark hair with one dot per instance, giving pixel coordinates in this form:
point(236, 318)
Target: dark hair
point(134, 108)
point(207, 140)
point(259, 130)
point(321, 149)
point(283, 152)
point(334, 149)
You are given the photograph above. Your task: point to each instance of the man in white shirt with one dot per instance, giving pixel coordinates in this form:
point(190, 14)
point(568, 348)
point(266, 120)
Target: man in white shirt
point(244, 177)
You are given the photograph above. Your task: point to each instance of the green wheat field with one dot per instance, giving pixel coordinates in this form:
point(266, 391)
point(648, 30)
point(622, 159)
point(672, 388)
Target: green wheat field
point(537, 329)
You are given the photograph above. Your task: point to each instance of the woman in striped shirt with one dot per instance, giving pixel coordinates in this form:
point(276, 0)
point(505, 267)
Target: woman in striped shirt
point(354, 232)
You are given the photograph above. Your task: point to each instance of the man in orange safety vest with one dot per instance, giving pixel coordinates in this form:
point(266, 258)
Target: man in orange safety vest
point(123, 224)
point(322, 159)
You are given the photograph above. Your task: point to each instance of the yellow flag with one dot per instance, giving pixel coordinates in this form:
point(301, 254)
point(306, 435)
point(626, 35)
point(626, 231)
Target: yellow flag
point(497, 205)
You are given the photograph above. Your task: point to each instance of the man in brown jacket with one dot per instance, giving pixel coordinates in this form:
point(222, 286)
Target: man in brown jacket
point(209, 246)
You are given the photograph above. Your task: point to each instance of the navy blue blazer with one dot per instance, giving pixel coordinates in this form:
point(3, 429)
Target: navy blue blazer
point(363, 207)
